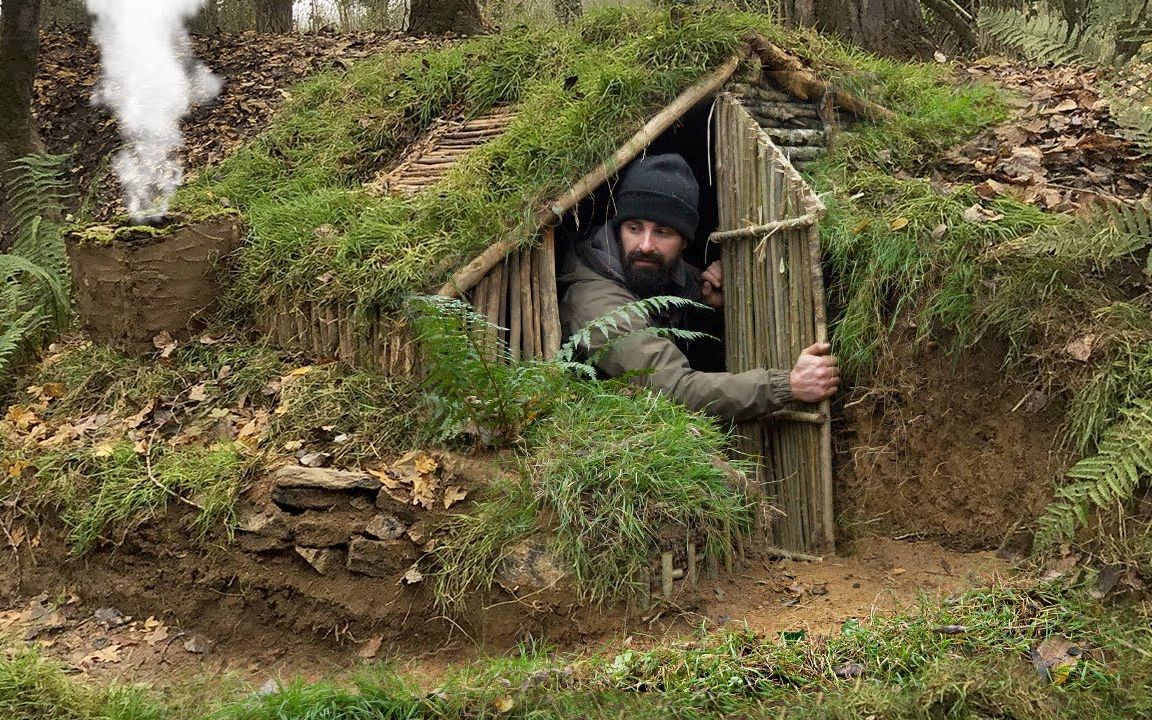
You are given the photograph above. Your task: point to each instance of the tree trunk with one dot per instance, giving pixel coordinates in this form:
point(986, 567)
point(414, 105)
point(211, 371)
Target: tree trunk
point(207, 21)
point(273, 16)
point(567, 11)
point(441, 16)
point(19, 47)
point(887, 27)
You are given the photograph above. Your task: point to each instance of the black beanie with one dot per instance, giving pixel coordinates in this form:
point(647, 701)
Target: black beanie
point(660, 188)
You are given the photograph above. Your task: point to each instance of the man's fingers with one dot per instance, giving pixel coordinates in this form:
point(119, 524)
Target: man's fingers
point(820, 348)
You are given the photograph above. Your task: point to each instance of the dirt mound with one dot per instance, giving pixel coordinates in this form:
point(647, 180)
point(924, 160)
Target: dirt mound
point(961, 452)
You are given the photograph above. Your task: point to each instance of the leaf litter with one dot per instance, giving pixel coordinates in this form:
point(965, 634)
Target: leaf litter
point(1062, 150)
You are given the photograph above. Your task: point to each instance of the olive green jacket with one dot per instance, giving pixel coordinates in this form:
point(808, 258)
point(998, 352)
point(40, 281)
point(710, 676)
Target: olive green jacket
point(587, 294)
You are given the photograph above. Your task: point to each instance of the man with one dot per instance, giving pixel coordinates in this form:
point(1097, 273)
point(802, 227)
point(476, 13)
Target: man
point(637, 255)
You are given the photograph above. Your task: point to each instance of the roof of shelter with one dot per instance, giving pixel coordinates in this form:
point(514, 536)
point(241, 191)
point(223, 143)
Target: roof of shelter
point(477, 142)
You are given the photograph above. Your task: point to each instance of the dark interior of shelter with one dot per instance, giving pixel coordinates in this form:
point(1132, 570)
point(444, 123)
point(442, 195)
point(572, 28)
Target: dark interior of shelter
point(689, 137)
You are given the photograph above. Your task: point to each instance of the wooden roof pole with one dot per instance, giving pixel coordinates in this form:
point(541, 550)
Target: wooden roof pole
point(466, 277)
point(796, 80)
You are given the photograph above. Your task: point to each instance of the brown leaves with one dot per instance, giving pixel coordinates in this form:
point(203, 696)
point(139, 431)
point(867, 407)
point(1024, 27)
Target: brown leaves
point(418, 478)
point(1062, 149)
point(257, 71)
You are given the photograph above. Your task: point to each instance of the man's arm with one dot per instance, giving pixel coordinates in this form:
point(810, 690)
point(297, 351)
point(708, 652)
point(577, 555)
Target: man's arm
point(736, 396)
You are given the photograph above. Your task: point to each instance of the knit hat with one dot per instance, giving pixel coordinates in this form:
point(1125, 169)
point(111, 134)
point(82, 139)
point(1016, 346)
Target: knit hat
point(660, 188)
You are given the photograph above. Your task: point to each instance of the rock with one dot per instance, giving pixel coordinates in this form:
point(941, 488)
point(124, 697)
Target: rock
point(529, 568)
point(306, 488)
point(380, 558)
point(386, 527)
point(251, 543)
point(318, 530)
point(322, 560)
point(294, 476)
point(262, 531)
point(418, 532)
point(110, 617)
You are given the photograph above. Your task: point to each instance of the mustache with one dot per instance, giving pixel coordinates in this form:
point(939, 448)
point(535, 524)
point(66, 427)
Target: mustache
point(646, 256)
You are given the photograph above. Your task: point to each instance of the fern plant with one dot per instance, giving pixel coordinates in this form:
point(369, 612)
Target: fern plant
point(34, 278)
point(475, 386)
point(1103, 482)
point(1110, 35)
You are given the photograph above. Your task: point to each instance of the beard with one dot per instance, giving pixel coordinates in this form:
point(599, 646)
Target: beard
point(646, 281)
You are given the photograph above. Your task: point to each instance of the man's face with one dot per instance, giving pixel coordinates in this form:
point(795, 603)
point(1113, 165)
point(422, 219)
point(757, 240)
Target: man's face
point(650, 251)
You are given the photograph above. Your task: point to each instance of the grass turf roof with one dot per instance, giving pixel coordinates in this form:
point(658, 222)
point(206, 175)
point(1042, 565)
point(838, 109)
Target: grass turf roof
point(581, 92)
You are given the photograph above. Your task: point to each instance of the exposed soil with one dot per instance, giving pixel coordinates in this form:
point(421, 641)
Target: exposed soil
point(129, 616)
point(965, 454)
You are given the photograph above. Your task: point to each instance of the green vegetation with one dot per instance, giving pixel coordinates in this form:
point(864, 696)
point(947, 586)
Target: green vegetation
point(989, 653)
point(608, 470)
point(108, 441)
point(580, 92)
point(34, 275)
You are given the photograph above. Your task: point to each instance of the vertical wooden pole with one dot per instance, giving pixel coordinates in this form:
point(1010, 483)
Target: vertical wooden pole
point(549, 303)
point(515, 306)
point(666, 574)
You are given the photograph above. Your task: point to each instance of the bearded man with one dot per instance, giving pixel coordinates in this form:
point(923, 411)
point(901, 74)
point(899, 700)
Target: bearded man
point(638, 255)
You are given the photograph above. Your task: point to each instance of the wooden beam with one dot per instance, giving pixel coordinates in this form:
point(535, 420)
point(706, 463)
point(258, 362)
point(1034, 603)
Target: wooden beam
point(793, 78)
point(764, 230)
point(467, 276)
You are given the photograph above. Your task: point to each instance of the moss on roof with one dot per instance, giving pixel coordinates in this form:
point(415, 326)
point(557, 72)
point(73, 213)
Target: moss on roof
point(581, 92)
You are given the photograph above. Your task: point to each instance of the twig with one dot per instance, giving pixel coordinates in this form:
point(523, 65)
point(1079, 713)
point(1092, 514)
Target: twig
point(782, 554)
point(156, 481)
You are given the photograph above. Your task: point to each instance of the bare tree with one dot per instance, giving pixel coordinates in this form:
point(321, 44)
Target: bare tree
point(19, 48)
point(440, 16)
point(273, 16)
point(567, 11)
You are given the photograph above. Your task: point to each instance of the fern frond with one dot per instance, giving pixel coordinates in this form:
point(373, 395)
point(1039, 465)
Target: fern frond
point(37, 188)
point(1112, 232)
point(34, 281)
point(1104, 481)
point(1032, 37)
point(618, 323)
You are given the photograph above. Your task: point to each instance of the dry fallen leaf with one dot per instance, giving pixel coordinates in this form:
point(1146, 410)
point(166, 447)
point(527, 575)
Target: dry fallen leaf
point(109, 654)
point(503, 705)
point(413, 575)
point(371, 647)
point(424, 491)
point(899, 223)
point(164, 343)
point(453, 494)
point(1080, 349)
point(300, 371)
point(425, 464)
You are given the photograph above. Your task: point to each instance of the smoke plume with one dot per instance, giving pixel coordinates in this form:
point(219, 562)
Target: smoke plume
point(150, 81)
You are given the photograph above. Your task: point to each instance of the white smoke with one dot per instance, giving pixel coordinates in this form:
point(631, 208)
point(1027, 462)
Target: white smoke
point(150, 81)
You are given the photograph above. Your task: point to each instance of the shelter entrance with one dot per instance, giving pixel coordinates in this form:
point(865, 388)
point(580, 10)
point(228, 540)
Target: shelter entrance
point(758, 217)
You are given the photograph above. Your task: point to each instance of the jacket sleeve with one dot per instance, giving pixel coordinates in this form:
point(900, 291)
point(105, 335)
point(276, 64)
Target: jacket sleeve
point(658, 364)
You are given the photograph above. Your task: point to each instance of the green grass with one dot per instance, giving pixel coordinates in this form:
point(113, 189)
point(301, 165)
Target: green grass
point(109, 440)
point(909, 671)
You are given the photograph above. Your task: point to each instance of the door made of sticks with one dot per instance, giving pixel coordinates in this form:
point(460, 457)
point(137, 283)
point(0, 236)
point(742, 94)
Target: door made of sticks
point(773, 309)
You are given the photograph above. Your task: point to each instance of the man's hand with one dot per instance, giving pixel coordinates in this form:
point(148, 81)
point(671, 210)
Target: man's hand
point(816, 375)
point(713, 287)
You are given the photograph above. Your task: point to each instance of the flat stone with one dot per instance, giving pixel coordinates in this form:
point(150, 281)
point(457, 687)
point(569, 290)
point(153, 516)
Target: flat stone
point(295, 476)
point(529, 567)
point(322, 560)
point(308, 498)
point(317, 530)
point(272, 523)
point(380, 558)
point(386, 527)
point(253, 543)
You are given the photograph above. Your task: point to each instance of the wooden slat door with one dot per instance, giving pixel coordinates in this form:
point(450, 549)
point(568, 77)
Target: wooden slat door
point(774, 308)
